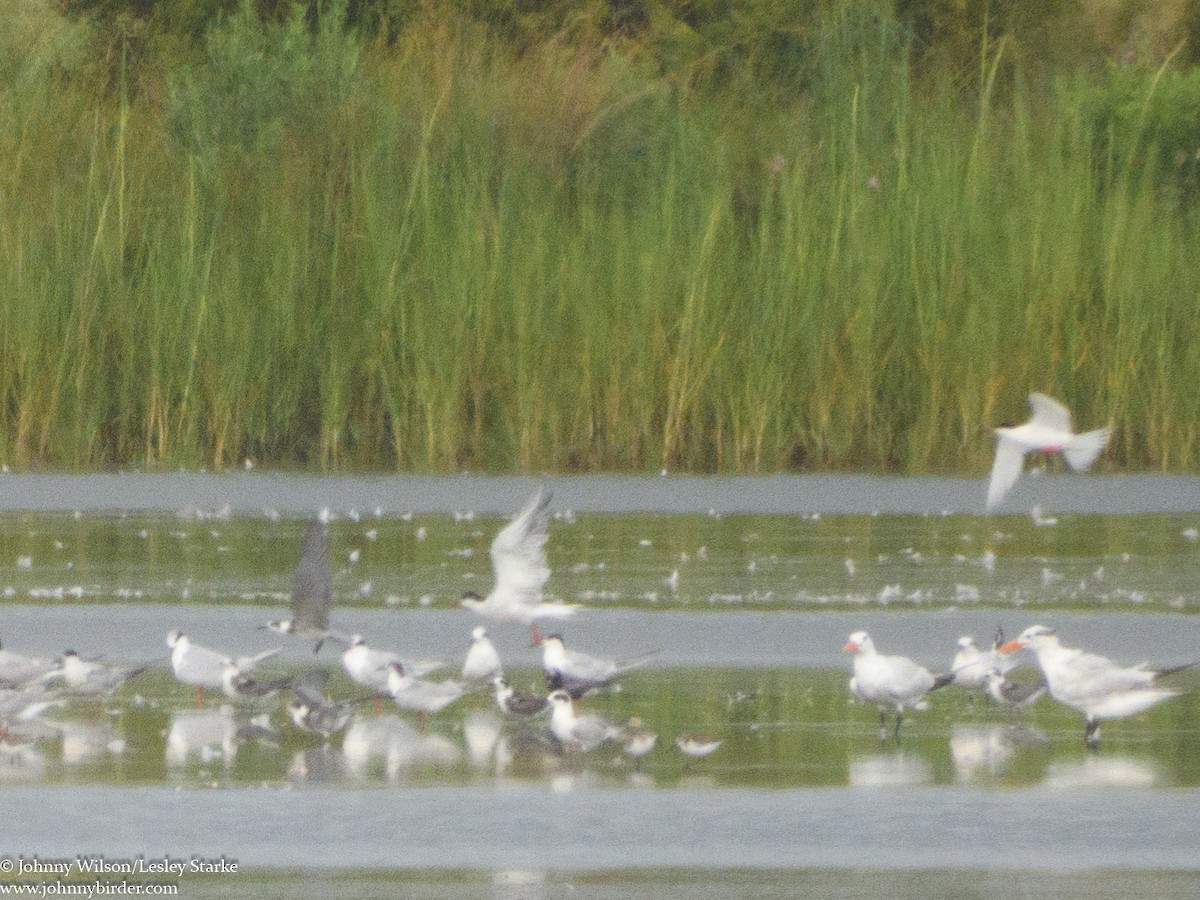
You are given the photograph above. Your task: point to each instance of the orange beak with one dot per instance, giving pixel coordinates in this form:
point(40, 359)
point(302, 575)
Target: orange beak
point(1010, 646)
point(850, 647)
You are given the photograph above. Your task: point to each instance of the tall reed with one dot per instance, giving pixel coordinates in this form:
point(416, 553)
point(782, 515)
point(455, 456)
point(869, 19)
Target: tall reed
point(438, 255)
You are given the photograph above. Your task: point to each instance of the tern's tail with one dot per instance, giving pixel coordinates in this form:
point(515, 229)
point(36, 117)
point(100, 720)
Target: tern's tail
point(1083, 449)
point(627, 665)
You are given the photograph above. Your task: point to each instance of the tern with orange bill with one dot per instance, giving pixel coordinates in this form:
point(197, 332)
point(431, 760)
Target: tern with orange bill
point(1091, 684)
point(892, 683)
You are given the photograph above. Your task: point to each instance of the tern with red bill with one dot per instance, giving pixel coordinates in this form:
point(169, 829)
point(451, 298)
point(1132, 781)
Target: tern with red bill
point(1049, 431)
point(519, 563)
point(890, 682)
point(1097, 687)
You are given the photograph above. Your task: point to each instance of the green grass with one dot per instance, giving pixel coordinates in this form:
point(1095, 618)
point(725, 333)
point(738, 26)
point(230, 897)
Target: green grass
point(439, 255)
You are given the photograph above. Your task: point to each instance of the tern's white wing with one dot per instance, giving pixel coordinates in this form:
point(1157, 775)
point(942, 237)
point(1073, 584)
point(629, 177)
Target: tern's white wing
point(518, 552)
point(1006, 469)
point(312, 584)
point(581, 667)
point(199, 665)
point(1049, 413)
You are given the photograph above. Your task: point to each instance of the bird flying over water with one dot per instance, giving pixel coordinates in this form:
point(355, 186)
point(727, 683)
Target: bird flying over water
point(312, 590)
point(1049, 431)
point(519, 562)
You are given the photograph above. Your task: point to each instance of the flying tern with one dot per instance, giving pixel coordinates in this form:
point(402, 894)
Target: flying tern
point(519, 562)
point(312, 590)
point(890, 682)
point(1097, 687)
point(1048, 430)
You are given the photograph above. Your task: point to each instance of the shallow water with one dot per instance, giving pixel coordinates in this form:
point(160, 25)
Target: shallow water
point(802, 790)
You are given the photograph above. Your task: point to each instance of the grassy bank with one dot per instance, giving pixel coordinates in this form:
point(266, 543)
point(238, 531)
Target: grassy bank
point(311, 249)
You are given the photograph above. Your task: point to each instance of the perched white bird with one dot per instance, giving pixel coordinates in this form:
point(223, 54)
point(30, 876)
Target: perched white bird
point(1097, 687)
point(368, 666)
point(578, 732)
point(518, 703)
point(204, 667)
point(1048, 430)
point(971, 665)
point(890, 682)
point(577, 673)
point(312, 590)
point(422, 697)
point(482, 662)
point(83, 676)
point(519, 562)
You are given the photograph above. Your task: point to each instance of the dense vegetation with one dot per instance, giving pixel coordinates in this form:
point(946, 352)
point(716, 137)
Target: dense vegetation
point(616, 234)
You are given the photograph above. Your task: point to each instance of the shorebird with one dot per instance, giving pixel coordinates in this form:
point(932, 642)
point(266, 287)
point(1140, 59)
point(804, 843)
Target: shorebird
point(1097, 687)
point(312, 590)
point(482, 662)
point(577, 673)
point(518, 703)
point(1048, 430)
point(578, 732)
point(891, 682)
point(241, 687)
point(637, 740)
point(519, 562)
point(697, 745)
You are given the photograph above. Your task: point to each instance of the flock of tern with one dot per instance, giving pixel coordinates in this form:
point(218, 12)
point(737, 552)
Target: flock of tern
point(1094, 686)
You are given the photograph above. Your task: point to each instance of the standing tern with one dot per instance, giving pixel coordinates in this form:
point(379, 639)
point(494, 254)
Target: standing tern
point(518, 703)
point(577, 673)
point(578, 732)
point(1097, 687)
point(1048, 430)
point(241, 687)
point(972, 665)
point(83, 676)
point(890, 682)
point(368, 666)
point(519, 562)
point(17, 670)
point(204, 667)
point(482, 662)
point(422, 697)
point(312, 590)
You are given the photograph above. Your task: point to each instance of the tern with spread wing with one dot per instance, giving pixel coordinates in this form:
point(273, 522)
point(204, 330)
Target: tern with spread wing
point(1048, 430)
point(312, 590)
point(1097, 687)
point(519, 562)
point(890, 682)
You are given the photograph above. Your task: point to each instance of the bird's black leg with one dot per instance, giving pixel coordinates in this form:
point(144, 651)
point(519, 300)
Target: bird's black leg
point(883, 729)
point(1091, 735)
point(899, 719)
